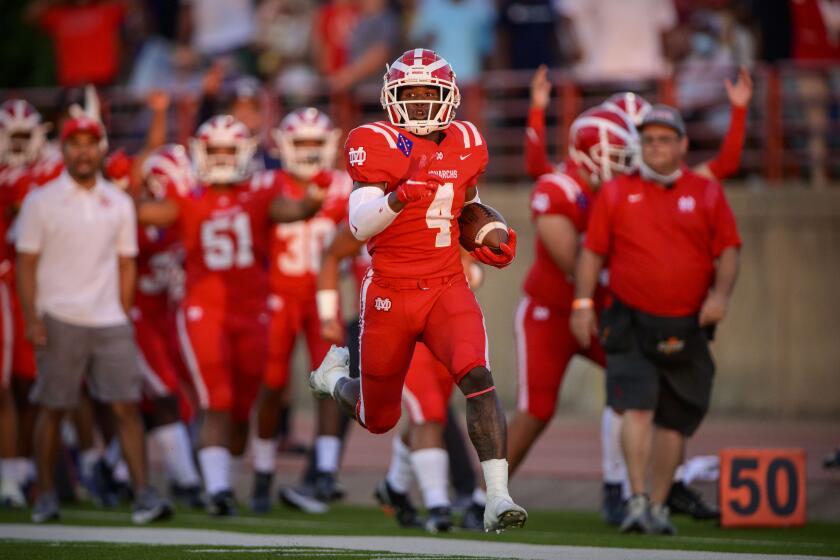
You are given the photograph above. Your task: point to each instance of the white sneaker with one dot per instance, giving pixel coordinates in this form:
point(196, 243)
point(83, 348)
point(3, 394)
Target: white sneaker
point(501, 513)
point(11, 495)
point(336, 365)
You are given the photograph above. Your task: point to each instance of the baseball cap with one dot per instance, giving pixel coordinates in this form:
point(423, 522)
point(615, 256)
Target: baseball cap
point(664, 115)
point(82, 124)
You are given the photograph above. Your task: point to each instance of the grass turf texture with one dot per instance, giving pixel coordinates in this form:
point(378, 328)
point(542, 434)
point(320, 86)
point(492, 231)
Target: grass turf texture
point(544, 527)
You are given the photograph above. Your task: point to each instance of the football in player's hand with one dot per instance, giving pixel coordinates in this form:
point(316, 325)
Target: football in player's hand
point(482, 225)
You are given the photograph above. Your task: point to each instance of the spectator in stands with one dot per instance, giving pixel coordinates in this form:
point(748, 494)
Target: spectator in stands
point(816, 44)
point(86, 37)
point(334, 24)
point(283, 35)
point(527, 33)
point(657, 331)
point(222, 28)
point(621, 43)
point(76, 273)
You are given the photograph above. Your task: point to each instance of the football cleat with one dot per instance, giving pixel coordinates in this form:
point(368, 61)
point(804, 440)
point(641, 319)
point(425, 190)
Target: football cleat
point(473, 519)
point(301, 499)
point(336, 365)
point(261, 496)
point(46, 508)
point(501, 513)
point(438, 520)
point(660, 521)
point(684, 499)
point(222, 504)
point(397, 504)
point(612, 504)
point(11, 496)
point(148, 507)
point(636, 515)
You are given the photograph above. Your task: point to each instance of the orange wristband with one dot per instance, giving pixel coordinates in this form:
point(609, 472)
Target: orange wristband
point(583, 303)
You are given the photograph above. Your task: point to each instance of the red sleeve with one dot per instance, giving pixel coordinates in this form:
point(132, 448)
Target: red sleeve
point(553, 196)
point(599, 232)
point(536, 152)
point(51, 19)
point(369, 158)
point(724, 229)
point(728, 159)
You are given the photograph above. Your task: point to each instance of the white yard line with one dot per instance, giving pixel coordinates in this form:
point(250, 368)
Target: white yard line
point(407, 545)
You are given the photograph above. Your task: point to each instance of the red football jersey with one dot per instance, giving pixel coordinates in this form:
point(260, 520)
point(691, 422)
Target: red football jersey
point(296, 247)
point(48, 167)
point(422, 242)
point(225, 237)
point(562, 193)
point(156, 263)
point(13, 181)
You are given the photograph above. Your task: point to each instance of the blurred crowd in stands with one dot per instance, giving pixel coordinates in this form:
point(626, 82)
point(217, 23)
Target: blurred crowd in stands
point(340, 47)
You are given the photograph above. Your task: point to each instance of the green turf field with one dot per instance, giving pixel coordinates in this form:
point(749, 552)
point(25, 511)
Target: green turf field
point(544, 527)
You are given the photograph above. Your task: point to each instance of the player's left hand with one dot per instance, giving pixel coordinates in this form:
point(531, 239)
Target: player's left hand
point(713, 310)
point(499, 260)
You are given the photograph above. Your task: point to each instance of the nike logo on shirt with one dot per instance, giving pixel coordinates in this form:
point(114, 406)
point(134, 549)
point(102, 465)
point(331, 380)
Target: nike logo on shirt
point(464, 157)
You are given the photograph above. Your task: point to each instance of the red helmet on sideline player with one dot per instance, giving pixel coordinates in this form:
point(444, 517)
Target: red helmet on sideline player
point(604, 142)
point(420, 67)
point(632, 104)
point(168, 167)
point(222, 150)
point(307, 141)
point(22, 134)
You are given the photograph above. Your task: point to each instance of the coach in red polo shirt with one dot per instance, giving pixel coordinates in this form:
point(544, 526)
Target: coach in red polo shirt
point(672, 246)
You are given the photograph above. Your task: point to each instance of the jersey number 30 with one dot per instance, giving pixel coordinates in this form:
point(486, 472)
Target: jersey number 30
point(439, 215)
point(227, 242)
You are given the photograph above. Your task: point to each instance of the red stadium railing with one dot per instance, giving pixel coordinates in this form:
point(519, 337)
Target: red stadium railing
point(793, 129)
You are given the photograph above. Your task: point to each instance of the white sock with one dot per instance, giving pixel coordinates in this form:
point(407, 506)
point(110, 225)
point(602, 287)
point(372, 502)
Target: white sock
point(264, 455)
point(479, 497)
point(18, 470)
point(612, 459)
point(496, 477)
point(8, 470)
point(87, 462)
point(431, 467)
point(215, 468)
point(121, 473)
point(399, 472)
point(113, 453)
point(327, 451)
point(174, 442)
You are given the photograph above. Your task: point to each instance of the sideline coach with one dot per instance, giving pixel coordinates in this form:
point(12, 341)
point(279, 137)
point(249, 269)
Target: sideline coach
point(673, 248)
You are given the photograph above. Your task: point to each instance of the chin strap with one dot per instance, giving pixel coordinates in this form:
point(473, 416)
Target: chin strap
point(651, 175)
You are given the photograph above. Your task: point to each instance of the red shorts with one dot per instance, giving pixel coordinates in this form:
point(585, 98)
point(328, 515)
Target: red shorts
point(291, 317)
point(544, 347)
point(225, 355)
point(17, 355)
point(398, 313)
point(428, 386)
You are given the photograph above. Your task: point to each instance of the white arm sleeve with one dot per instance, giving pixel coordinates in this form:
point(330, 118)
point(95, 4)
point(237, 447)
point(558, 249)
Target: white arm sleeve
point(369, 212)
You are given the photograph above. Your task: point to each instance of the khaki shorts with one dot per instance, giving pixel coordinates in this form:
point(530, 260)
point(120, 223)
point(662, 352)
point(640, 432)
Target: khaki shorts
point(104, 357)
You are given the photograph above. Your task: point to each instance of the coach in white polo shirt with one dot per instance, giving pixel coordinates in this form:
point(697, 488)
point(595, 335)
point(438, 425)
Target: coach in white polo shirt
point(76, 245)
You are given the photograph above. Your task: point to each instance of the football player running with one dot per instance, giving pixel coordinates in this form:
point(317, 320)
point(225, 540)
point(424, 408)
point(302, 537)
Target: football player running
point(307, 142)
point(412, 176)
point(222, 321)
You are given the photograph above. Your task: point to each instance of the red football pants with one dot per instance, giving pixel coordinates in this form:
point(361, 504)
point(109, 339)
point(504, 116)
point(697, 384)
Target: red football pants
point(544, 347)
point(428, 386)
point(395, 315)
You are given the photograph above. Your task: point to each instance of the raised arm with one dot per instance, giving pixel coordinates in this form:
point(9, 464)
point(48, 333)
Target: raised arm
point(536, 151)
point(160, 213)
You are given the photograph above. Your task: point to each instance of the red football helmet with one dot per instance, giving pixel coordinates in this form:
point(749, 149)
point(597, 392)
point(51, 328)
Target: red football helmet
point(632, 104)
point(222, 150)
point(603, 141)
point(307, 141)
point(118, 168)
point(420, 67)
point(22, 134)
point(168, 167)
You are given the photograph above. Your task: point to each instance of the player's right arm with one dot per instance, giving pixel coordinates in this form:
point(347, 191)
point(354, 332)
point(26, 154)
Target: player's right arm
point(536, 152)
point(343, 246)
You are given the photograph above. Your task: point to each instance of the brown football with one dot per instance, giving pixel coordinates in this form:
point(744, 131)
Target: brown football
point(482, 225)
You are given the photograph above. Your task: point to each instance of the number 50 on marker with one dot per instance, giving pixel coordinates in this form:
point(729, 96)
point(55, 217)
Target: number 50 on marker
point(762, 487)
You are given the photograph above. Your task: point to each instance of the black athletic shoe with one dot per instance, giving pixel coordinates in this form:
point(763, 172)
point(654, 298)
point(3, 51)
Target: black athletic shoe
point(189, 496)
point(397, 504)
point(222, 504)
point(612, 504)
point(473, 519)
point(326, 487)
point(438, 520)
point(686, 500)
point(261, 497)
point(302, 498)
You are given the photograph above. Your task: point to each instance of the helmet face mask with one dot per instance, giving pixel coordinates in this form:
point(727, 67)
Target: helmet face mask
point(22, 134)
point(222, 151)
point(307, 142)
point(420, 67)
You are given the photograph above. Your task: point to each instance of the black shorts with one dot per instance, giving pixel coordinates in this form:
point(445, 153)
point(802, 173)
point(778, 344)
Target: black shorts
point(677, 388)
